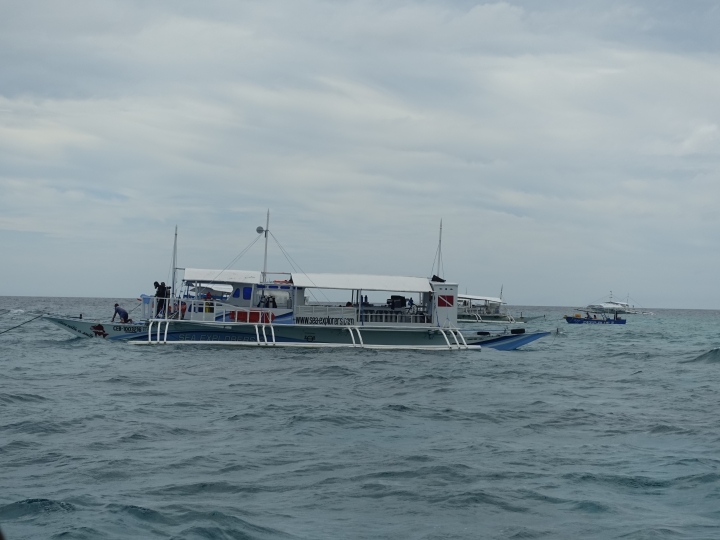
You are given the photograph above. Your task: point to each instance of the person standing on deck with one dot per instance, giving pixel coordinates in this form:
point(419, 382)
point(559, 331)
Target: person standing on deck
point(160, 294)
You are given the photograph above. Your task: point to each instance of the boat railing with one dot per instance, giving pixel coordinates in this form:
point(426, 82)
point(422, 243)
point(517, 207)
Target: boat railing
point(203, 310)
point(323, 311)
point(160, 308)
point(394, 317)
point(480, 310)
point(364, 316)
point(209, 310)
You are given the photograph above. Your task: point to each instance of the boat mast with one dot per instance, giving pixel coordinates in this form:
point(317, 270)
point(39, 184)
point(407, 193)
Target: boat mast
point(267, 226)
point(439, 253)
point(174, 263)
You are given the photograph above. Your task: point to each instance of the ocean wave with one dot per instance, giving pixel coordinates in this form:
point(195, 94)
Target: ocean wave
point(203, 488)
point(710, 357)
point(141, 513)
point(123, 379)
point(591, 507)
point(528, 534)
point(231, 522)
point(20, 398)
point(661, 429)
point(325, 371)
point(334, 419)
point(479, 498)
point(79, 533)
point(41, 427)
point(695, 480)
point(31, 507)
point(248, 532)
point(652, 533)
point(619, 481)
point(19, 445)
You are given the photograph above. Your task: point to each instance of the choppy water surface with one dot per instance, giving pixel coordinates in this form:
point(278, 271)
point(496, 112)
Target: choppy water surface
point(597, 432)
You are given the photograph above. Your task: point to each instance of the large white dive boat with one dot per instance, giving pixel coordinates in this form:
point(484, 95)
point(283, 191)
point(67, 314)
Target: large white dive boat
point(236, 307)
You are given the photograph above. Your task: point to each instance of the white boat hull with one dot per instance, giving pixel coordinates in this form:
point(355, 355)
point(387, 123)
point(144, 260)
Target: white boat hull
point(175, 332)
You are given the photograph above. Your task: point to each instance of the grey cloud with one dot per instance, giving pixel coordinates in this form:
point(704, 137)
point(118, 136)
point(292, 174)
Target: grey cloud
point(550, 136)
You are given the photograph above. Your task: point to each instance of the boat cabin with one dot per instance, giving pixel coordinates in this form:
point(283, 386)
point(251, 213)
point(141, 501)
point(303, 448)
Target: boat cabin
point(482, 305)
point(241, 296)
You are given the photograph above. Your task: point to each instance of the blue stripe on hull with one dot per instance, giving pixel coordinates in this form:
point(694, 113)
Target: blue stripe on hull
point(512, 342)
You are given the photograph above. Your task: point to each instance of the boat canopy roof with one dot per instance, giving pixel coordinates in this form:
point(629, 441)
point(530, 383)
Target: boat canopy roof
point(223, 288)
point(481, 298)
point(365, 282)
point(221, 276)
point(611, 304)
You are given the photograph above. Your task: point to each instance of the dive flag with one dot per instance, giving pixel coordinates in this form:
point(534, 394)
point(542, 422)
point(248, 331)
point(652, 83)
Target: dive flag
point(446, 300)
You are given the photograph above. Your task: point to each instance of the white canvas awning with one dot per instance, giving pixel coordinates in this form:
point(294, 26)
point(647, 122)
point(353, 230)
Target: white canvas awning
point(365, 282)
point(481, 298)
point(221, 276)
point(223, 288)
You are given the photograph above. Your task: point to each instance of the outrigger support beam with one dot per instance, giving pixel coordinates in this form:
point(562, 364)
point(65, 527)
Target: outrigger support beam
point(352, 336)
point(445, 336)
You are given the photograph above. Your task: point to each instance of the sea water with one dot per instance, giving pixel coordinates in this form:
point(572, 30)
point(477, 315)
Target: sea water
point(596, 431)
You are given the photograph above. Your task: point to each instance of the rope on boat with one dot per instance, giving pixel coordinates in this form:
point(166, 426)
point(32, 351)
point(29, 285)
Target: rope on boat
point(19, 325)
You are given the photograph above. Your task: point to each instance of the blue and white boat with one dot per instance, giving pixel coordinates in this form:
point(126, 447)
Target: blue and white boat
point(233, 307)
point(247, 308)
point(594, 319)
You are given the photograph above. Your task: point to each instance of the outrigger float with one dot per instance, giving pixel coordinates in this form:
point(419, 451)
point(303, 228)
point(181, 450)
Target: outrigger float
point(245, 308)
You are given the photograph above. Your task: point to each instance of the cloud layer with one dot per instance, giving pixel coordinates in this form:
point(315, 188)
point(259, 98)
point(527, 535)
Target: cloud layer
point(569, 150)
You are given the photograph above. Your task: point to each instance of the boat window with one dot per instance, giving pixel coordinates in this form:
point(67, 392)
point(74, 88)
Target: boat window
point(236, 293)
point(247, 293)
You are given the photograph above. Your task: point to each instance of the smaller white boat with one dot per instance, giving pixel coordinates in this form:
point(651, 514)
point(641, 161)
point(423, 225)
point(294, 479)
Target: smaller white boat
point(615, 306)
point(472, 308)
point(487, 309)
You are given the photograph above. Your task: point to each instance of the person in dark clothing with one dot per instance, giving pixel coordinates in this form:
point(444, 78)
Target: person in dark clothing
point(160, 294)
point(120, 312)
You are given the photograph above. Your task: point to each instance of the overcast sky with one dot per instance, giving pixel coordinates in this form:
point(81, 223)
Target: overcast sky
point(571, 148)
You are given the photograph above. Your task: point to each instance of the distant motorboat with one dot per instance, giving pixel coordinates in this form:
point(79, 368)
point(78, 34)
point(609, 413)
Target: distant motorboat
point(615, 306)
point(603, 319)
